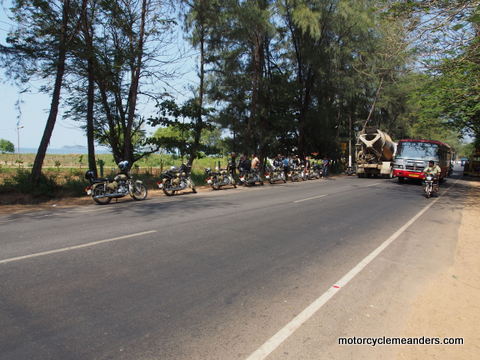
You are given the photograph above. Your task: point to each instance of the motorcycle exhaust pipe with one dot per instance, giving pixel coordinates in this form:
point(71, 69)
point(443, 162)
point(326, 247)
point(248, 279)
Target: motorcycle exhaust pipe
point(112, 195)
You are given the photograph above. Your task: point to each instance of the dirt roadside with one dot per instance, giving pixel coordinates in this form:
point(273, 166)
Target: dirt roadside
point(69, 202)
point(22, 204)
point(450, 306)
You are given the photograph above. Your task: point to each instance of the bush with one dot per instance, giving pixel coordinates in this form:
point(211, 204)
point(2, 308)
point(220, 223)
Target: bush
point(73, 187)
point(22, 183)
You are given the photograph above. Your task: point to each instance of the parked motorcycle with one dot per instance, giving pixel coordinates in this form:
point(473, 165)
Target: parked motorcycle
point(176, 179)
point(250, 177)
point(430, 185)
point(315, 172)
point(217, 179)
point(274, 174)
point(103, 190)
point(296, 173)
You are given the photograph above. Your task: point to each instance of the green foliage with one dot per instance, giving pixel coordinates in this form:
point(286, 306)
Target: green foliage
point(58, 164)
point(21, 182)
point(6, 146)
point(178, 132)
point(447, 102)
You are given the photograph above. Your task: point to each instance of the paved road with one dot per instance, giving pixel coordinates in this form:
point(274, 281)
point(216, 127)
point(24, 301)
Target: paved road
point(216, 274)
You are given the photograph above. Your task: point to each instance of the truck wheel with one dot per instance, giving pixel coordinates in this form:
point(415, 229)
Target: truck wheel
point(401, 180)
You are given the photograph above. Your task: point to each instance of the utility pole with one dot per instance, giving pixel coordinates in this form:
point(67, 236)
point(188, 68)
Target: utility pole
point(18, 137)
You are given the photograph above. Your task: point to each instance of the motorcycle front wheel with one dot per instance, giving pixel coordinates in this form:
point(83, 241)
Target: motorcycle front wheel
point(98, 194)
point(139, 192)
point(428, 192)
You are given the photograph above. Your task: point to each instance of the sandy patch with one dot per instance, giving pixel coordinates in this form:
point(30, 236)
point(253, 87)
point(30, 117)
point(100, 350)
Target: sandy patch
point(450, 307)
point(67, 202)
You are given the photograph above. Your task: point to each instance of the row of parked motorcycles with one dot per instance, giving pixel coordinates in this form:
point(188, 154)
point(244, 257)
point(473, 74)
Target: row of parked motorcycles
point(177, 179)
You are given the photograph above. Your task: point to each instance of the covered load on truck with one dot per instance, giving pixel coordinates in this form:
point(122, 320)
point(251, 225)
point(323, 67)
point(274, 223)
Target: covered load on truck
point(375, 150)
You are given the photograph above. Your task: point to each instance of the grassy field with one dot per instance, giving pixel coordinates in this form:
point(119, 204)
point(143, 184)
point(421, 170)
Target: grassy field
point(64, 174)
point(77, 161)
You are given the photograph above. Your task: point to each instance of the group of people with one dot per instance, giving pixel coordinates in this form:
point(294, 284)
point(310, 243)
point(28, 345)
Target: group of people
point(286, 163)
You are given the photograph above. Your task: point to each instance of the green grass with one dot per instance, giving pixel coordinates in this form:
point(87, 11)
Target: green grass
point(15, 161)
point(67, 179)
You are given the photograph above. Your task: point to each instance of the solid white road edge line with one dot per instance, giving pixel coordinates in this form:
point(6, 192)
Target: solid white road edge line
point(276, 340)
point(18, 258)
point(310, 198)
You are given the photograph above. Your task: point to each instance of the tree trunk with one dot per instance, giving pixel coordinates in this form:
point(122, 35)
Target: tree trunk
point(201, 90)
point(52, 116)
point(88, 33)
point(304, 108)
point(372, 108)
point(133, 93)
point(90, 126)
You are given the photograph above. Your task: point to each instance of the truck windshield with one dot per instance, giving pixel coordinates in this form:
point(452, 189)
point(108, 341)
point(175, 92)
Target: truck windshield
point(417, 151)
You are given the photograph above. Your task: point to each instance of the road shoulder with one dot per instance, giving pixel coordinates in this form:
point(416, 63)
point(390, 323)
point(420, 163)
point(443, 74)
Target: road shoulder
point(450, 306)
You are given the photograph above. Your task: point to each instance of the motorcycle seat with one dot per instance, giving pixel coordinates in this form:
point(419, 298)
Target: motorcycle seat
point(100, 180)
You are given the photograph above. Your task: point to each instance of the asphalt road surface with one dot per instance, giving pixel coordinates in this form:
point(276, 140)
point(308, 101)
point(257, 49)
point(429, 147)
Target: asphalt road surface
point(215, 275)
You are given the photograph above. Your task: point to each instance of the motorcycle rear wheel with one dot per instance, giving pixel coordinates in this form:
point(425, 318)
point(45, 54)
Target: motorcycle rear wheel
point(166, 189)
point(98, 191)
point(139, 192)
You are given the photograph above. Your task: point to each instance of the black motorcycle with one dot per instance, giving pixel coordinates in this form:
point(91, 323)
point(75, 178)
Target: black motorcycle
point(176, 179)
point(296, 173)
point(103, 190)
point(217, 179)
point(274, 174)
point(430, 185)
point(250, 177)
point(316, 172)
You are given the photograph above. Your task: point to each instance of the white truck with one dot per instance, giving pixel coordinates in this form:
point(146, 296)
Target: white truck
point(374, 154)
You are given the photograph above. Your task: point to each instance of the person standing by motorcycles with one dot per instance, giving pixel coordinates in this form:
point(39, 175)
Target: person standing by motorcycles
point(255, 162)
point(286, 166)
point(295, 162)
point(277, 162)
point(326, 164)
point(307, 164)
point(232, 165)
point(243, 166)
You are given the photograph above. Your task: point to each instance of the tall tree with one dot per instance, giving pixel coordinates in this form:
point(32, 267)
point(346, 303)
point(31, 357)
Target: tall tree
point(39, 47)
point(200, 19)
point(124, 45)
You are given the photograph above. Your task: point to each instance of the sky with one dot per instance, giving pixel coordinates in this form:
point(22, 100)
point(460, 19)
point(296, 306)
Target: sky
point(35, 105)
point(34, 110)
